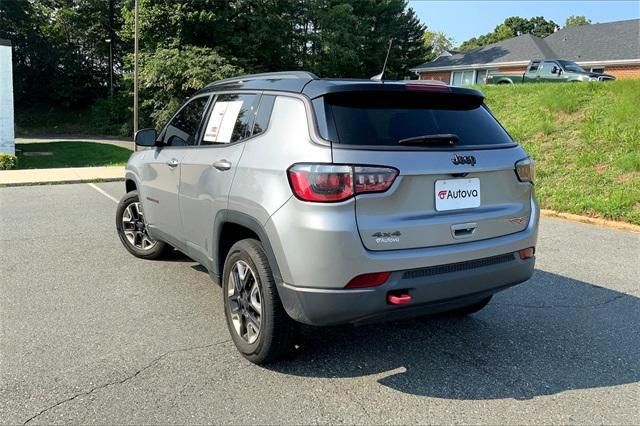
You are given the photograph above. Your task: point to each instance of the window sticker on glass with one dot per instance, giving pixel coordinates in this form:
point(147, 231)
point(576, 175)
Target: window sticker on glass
point(213, 126)
point(228, 121)
point(222, 121)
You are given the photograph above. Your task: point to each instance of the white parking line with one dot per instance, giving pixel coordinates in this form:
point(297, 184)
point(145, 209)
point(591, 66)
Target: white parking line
point(103, 193)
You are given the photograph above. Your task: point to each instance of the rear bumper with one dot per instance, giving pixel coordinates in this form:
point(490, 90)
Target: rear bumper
point(432, 289)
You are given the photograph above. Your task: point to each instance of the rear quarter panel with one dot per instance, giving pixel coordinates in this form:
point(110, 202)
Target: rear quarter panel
point(261, 185)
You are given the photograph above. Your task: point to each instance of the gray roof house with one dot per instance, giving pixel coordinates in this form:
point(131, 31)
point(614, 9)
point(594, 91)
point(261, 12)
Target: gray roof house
point(614, 46)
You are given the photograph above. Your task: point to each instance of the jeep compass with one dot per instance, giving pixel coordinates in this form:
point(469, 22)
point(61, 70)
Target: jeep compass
point(326, 201)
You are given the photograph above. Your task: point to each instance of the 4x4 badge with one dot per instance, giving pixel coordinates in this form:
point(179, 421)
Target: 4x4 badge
point(463, 159)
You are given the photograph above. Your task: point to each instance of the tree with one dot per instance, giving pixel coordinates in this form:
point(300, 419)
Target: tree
point(542, 27)
point(169, 75)
point(512, 27)
point(61, 57)
point(333, 38)
point(437, 42)
point(576, 20)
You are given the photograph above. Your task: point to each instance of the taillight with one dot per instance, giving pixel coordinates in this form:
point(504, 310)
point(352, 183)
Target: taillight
point(331, 183)
point(373, 179)
point(369, 280)
point(525, 170)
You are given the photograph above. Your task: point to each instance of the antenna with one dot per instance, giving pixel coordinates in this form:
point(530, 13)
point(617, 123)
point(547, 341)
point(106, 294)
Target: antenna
point(378, 77)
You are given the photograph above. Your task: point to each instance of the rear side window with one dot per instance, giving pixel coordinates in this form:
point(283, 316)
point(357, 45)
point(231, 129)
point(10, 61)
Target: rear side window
point(264, 114)
point(231, 118)
point(383, 119)
point(534, 66)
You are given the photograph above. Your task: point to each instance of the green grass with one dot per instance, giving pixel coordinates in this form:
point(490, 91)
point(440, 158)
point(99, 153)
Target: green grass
point(71, 154)
point(585, 138)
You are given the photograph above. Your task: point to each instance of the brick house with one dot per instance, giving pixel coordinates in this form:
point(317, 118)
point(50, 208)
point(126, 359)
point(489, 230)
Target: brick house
point(612, 47)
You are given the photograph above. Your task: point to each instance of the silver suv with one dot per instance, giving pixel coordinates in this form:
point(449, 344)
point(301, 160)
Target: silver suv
point(334, 201)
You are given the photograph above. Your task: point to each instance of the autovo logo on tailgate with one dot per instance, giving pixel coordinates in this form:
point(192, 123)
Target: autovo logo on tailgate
point(460, 193)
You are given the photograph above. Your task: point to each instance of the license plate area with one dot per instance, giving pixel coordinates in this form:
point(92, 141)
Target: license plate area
point(456, 194)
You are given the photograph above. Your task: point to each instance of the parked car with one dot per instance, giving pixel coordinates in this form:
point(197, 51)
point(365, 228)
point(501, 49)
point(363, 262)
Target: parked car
point(334, 201)
point(549, 71)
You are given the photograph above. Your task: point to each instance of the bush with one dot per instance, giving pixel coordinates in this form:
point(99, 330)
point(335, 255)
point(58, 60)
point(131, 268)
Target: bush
point(8, 161)
point(113, 116)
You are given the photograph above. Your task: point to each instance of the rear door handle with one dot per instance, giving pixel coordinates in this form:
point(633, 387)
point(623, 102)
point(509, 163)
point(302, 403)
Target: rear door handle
point(172, 163)
point(222, 165)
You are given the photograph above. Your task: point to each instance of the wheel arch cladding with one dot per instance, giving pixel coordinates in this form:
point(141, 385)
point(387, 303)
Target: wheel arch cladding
point(130, 185)
point(231, 226)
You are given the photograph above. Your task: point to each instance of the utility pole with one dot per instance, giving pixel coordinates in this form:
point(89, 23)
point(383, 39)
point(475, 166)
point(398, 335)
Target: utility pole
point(135, 68)
point(110, 41)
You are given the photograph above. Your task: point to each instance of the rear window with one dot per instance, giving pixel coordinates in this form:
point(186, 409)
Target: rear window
point(383, 119)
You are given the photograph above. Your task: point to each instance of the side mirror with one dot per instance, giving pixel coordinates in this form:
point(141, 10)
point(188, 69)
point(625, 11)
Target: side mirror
point(146, 137)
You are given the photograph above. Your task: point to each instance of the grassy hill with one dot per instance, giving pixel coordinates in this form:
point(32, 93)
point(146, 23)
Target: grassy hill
point(585, 138)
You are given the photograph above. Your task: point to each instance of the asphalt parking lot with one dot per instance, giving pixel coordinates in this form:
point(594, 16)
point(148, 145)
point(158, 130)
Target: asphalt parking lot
point(91, 334)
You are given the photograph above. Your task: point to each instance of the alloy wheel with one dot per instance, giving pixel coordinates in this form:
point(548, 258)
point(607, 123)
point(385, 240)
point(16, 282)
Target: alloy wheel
point(135, 228)
point(245, 301)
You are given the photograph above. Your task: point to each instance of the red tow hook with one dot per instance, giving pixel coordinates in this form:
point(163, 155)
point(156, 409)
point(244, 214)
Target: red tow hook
point(399, 298)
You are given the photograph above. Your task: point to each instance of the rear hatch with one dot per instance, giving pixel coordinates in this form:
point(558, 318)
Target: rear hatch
point(446, 192)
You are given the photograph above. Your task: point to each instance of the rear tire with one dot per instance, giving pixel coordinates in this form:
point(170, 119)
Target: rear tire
point(259, 326)
point(469, 309)
point(132, 229)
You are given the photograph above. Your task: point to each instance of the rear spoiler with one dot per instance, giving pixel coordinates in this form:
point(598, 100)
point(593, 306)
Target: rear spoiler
point(317, 88)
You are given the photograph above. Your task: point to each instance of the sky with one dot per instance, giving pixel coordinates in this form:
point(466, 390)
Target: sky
point(465, 19)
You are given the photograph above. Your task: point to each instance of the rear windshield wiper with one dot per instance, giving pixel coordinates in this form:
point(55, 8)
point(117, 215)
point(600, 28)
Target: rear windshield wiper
point(440, 138)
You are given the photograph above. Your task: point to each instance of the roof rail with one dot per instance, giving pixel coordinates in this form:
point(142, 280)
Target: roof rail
point(265, 76)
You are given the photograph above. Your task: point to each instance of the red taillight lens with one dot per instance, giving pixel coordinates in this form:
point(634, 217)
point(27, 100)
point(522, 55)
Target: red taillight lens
point(331, 183)
point(321, 182)
point(369, 280)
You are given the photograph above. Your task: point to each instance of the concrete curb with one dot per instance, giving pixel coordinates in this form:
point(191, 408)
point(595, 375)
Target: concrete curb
point(61, 182)
point(28, 177)
point(623, 226)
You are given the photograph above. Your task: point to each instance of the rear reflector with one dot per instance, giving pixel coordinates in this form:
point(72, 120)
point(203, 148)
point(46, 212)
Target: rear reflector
point(399, 298)
point(527, 253)
point(369, 280)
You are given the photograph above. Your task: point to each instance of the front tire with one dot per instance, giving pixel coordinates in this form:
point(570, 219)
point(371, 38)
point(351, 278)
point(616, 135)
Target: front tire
point(259, 326)
point(132, 229)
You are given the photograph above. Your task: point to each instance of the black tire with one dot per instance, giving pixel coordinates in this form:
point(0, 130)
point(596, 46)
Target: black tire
point(158, 250)
point(469, 309)
point(277, 331)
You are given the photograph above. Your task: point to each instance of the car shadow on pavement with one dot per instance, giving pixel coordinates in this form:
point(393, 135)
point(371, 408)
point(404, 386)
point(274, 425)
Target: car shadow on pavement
point(549, 335)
